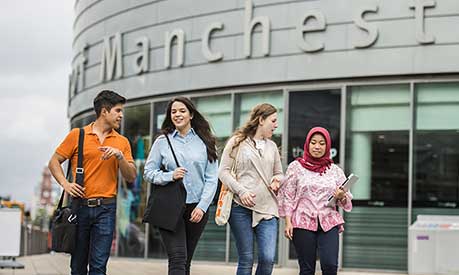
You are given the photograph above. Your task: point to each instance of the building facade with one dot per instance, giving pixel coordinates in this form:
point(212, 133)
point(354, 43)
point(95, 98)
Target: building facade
point(382, 76)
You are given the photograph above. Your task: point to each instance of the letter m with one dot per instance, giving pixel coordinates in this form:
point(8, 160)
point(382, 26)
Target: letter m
point(111, 57)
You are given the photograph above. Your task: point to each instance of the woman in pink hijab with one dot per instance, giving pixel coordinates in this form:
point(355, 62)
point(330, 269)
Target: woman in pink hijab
point(302, 198)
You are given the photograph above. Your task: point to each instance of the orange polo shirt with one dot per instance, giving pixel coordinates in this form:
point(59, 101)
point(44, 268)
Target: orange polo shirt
point(100, 176)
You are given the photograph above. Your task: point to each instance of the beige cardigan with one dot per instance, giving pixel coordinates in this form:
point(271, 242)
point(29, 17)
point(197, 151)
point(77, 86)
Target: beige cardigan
point(254, 172)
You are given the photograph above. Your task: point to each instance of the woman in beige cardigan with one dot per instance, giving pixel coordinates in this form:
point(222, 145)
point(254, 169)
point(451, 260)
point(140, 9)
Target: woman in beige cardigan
point(258, 172)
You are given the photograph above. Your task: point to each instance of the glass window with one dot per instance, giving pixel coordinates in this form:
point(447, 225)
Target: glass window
point(132, 196)
point(378, 136)
point(377, 151)
point(155, 245)
point(309, 109)
point(245, 103)
point(217, 110)
point(436, 150)
point(83, 121)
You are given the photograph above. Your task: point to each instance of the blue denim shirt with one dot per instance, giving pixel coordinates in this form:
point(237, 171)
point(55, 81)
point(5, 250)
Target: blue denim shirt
point(201, 177)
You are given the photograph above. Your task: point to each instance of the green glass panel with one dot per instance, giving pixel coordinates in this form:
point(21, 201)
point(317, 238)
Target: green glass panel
point(378, 151)
point(376, 238)
point(217, 110)
point(248, 101)
point(437, 106)
point(132, 197)
point(212, 245)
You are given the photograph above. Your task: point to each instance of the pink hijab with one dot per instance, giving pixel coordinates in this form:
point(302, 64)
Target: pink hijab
point(311, 163)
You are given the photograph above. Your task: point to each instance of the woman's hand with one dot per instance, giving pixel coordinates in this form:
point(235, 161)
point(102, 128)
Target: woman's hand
point(275, 184)
point(196, 215)
point(339, 194)
point(288, 231)
point(247, 199)
point(179, 173)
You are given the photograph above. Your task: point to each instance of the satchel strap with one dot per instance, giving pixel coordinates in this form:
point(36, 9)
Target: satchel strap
point(172, 149)
point(234, 164)
point(79, 173)
point(80, 170)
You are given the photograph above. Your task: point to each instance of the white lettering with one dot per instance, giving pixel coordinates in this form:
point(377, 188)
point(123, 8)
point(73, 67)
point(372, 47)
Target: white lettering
point(208, 54)
point(363, 25)
point(179, 35)
point(250, 25)
point(111, 57)
point(419, 5)
point(142, 59)
point(302, 28)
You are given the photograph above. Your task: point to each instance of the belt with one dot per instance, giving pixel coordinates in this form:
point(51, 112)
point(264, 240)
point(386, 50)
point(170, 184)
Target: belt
point(94, 202)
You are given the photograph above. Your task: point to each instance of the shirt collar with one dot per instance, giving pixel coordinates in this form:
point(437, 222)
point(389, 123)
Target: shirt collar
point(88, 130)
point(191, 131)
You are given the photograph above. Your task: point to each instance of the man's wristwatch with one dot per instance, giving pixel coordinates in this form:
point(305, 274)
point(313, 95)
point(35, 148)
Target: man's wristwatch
point(119, 156)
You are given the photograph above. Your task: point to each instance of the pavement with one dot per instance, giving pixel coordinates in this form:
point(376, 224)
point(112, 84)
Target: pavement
point(57, 264)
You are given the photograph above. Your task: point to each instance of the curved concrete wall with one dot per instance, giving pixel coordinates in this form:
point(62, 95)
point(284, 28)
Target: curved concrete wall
point(297, 41)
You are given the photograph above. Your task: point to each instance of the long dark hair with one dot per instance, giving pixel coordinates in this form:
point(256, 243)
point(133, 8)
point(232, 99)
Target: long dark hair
point(198, 123)
point(250, 127)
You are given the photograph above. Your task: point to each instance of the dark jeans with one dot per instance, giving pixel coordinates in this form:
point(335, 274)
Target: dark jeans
point(306, 243)
point(95, 234)
point(180, 245)
point(266, 236)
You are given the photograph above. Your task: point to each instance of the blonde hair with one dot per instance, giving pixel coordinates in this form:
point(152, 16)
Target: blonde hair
point(250, 127)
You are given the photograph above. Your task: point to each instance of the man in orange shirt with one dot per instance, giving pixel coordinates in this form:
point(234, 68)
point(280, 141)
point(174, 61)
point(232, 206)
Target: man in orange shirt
point(104, 153)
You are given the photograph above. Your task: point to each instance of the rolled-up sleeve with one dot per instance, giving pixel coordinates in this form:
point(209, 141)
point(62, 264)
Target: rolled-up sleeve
point(210, 185)
point(152, 173)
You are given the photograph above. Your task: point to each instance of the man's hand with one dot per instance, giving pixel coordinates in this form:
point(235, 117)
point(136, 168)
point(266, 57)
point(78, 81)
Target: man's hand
point(74, 189)
point(196, 215)
point(108, 152)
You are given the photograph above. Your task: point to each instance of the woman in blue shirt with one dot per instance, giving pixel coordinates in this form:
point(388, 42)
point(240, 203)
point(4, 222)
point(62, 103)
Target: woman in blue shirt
point(195, 148)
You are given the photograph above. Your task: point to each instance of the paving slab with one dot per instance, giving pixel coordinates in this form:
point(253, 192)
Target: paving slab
point(58, 264)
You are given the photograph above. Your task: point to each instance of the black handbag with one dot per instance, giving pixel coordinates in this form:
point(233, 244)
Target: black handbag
point(166, 203)
point(64, 220)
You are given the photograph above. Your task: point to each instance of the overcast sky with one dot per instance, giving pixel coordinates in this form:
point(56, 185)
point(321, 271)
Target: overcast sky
point(35, 58)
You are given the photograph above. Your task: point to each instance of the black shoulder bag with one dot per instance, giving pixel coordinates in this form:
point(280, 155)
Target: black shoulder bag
point(64, 220)
point(166, 203)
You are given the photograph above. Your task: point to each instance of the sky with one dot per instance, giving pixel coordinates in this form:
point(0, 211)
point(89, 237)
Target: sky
point(35, 63)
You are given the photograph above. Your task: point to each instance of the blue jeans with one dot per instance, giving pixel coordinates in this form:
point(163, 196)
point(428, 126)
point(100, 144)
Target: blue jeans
point(266, 236)
point(95, 234)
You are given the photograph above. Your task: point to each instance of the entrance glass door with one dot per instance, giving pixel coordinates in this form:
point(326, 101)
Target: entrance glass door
point(308, 109)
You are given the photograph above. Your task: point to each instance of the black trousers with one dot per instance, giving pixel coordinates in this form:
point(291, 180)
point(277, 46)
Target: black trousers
point(306, 244)
point(180, 245)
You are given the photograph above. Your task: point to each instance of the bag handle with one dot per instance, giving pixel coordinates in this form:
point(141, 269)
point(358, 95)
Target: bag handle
point(172, 149)
point(79, 173)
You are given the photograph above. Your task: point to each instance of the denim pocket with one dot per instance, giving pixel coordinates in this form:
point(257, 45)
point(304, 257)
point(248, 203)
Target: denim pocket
point(109, 208)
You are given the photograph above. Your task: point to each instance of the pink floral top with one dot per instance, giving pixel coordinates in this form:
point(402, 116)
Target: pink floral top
point(303, 196)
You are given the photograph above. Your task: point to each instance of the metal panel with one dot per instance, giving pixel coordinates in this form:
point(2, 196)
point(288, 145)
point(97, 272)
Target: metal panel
point(286, 61)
